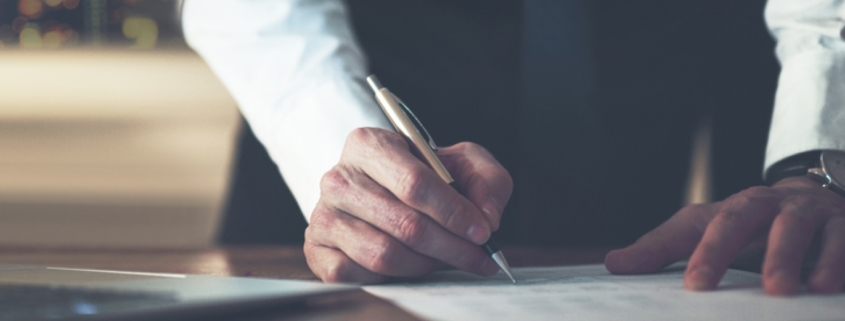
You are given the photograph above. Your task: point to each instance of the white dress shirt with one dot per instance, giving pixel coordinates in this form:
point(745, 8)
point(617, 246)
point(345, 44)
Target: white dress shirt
point(295, 69)
point(810, 103)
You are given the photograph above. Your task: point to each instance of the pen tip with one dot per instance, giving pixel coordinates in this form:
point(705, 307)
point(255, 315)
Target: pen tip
point(500, 260)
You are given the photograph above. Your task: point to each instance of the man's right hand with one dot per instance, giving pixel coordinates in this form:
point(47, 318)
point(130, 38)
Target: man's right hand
point(384, 213)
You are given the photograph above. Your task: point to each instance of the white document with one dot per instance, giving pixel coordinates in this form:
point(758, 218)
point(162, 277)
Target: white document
point(589, 292)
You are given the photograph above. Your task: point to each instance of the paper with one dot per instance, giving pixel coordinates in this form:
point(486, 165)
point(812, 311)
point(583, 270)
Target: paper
point(589, 292)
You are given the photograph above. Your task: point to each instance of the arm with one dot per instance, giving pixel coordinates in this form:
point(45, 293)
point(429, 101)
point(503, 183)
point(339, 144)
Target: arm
point(784, 218)
point(295, 70)
point(375, 210)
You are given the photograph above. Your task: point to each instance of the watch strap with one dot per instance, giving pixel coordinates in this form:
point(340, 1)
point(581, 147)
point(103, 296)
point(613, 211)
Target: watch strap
point(796, 165)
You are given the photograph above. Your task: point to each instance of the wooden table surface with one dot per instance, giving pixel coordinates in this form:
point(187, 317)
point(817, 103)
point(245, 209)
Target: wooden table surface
point(267, 262)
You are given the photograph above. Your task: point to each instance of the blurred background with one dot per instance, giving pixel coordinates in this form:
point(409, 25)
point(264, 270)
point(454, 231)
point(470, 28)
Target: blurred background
point(113, 133)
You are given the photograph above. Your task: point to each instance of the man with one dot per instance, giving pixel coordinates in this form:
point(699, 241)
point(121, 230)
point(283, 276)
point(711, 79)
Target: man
point(629, 78)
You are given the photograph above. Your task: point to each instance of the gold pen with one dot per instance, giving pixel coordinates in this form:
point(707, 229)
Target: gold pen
point(412, 129)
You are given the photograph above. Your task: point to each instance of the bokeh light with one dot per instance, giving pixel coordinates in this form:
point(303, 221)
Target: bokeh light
point(31, 8)
point(135, 24)
point(19, 23)
point(143, 30)
point(30, 37)
point(52, 39)
point(70, 4)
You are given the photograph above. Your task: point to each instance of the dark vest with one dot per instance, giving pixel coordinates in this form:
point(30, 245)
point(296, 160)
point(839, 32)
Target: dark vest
point(659, 66)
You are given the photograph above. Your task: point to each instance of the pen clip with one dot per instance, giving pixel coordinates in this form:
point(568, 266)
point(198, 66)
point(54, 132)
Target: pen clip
point(418, 124)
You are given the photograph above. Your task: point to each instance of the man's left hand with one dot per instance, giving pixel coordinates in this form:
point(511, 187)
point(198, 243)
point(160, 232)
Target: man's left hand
point(783, 218)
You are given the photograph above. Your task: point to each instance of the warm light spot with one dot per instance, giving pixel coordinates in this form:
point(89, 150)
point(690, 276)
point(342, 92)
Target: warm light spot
point(30, 8)
point(70, 4)
point(19, 23)
point(143, 30)
point(53, 3)
point(52, 39)
point(30, 38)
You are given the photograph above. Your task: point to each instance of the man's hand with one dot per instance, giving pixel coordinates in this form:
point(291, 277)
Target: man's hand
point(384, 213)
point(784, 218)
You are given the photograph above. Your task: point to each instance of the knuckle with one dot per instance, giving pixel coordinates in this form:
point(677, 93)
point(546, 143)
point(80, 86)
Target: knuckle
point(309, 235)
point(508, 181)
point(322, 218)
point(698, 214)
point(379, 257)
point(802, 203)
point(336, 272)
point(368, 136)
point(464, 147)
point(757, 191)
point(795, 219)
point(411, 186)
point(334, 181)
point(749, 196)
point(472, 147)
point(410, 230)
point(726, 219)
point(453, 213)
point(360, 135)
point(308, 250)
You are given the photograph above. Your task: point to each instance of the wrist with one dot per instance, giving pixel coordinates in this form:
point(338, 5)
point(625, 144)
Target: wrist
point(828, 171)
point(792, 167)
point(795, 181)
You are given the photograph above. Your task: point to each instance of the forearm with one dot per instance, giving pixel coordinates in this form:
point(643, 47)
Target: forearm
point(294, 69)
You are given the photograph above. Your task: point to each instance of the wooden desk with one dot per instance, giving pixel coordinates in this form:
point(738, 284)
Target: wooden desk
point(266, 262)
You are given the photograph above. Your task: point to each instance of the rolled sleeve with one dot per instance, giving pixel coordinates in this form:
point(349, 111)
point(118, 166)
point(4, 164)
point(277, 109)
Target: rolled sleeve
point(295, 71)
point(809, 112)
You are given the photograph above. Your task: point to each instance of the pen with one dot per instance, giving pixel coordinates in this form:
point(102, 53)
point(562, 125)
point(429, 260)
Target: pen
point(409, 126)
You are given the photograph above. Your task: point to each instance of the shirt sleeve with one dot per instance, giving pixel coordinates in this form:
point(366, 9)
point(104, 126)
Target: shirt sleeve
point(809, 109)
point(296, 73)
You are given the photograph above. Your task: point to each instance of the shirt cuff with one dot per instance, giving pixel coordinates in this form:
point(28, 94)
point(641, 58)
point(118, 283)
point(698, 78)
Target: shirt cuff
point(809, 109)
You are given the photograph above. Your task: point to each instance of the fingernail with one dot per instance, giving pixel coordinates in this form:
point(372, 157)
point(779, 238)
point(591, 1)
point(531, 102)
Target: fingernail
point(478, 233)
point(700, 279)
point(491, 208)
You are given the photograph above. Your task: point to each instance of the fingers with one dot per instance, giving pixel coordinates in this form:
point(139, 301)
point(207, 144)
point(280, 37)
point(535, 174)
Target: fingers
point(366, 246)
point(671, 241)
point(828, 276)
point(740, 217)
point(485, 182)
point(405, 226)
point(332, 266)
point(386, 158)
point(789, 238)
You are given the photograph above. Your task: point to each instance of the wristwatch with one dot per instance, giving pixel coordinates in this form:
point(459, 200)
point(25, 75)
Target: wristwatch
point(826, 167)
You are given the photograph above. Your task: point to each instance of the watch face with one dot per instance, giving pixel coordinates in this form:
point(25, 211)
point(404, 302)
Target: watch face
point(834, 165)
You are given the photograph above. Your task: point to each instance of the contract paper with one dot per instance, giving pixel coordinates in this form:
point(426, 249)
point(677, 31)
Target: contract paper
point(589, 292)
